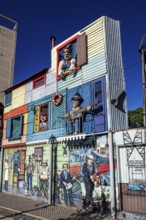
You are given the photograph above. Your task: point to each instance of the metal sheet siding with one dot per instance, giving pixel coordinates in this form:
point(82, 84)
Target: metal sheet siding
point(18, 97)
point(96, 59)
point(95, 68)
point(116, 81)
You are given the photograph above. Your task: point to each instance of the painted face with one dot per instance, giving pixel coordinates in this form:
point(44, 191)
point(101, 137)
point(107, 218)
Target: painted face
point(43, 118)
point(90, 161)
point(67, 54)
point(75, 103)
point(65, 167)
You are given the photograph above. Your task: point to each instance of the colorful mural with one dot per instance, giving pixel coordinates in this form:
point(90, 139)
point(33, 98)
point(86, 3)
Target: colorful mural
point(83, 180)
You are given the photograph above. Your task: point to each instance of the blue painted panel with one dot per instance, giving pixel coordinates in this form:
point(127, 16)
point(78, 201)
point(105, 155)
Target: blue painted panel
point(100, 119)
point(8, 128)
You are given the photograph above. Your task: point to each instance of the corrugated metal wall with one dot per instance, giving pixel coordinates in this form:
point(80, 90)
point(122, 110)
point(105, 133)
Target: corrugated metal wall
point(116, 81)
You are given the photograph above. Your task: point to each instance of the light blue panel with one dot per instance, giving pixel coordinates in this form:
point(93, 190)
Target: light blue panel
point(45, 135)
point(95, 68)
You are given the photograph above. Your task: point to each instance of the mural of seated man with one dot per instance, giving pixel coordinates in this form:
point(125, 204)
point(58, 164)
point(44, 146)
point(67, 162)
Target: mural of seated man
point(75, 115)
point(68, 64)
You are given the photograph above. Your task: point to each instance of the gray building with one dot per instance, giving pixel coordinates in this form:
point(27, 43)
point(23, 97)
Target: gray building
point(7, 54)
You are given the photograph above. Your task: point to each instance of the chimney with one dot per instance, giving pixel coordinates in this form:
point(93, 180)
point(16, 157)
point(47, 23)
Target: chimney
point(53, 39)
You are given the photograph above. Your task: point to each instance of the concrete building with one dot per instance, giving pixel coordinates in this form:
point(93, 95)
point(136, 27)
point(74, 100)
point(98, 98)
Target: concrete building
point(7, 55)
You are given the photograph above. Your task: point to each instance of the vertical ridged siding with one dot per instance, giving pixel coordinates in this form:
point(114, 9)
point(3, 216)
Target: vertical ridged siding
point(116, 80)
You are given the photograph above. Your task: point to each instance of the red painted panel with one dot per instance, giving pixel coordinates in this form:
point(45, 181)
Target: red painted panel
point(18, 111)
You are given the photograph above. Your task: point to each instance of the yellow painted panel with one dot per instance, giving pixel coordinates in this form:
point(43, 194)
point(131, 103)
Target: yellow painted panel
point(4, 124)
point(24, 129)
point(25, 118)
point(4, 133)
point(17, 102)
point(18, 92)
point(7, 109)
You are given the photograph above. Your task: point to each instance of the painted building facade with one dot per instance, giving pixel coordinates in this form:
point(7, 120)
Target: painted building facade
point(78, 100)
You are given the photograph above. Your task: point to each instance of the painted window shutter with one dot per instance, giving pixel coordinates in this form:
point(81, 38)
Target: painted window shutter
point(8, 128)
point(81, 50)
point(21, 125)
point(37, 119)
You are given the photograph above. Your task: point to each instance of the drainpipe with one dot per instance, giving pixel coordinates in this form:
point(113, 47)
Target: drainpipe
point(112, 174)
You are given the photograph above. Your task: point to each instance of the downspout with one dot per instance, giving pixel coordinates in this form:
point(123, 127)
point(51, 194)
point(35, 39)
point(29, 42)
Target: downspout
point(112, 174)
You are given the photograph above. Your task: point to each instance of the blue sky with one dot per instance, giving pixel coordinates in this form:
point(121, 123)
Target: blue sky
point(39, 19)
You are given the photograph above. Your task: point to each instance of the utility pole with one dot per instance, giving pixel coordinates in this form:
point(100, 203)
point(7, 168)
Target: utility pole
point(142, 50)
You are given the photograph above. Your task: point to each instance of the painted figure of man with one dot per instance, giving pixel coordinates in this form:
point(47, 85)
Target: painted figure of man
point(66, 184)
point(16, 157)
point(74, 117)
point(44, 179)
point(7, 165)
point(43, 121)
point(68, 63)
point(89, 171)
point(30, 169)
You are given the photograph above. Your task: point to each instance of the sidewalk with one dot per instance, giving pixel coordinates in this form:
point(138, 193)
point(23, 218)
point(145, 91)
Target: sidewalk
point(43, 211)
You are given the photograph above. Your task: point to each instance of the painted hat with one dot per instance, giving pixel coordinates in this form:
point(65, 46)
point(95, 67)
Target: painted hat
point(44, 162)
point(90, 157)
point(77, 96)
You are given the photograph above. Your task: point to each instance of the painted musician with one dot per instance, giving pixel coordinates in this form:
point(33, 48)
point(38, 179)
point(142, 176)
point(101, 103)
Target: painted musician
point(74, 117)
point(66, 185)
point(68, 64)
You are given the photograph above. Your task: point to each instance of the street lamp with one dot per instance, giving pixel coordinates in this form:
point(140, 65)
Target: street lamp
point(52, 140)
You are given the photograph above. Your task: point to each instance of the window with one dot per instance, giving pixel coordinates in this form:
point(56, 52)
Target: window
point(41, 118)
point(40, 81)
point(14, 128)
point(38, 154)
point(71, 55)
point(8, 98)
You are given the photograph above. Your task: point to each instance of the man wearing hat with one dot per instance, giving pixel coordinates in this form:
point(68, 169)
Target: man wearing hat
point(74, 117)
point(89, 171)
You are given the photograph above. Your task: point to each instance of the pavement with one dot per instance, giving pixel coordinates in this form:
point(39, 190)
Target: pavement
point(16, 207)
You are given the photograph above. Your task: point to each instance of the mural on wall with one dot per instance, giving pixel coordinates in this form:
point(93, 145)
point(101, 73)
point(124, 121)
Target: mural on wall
point(136, 168)
point(88, 179)
point(16, 157)
point(77, 115)
point(7, 166)
point(43, 179)
point(30, 167)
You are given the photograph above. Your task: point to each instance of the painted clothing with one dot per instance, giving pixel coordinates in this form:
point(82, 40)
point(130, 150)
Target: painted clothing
point(7, 166)
point(30, 169)
point(65, 177)
point(16, 157)
point(67, 66)
point(74, 124)
point(88, 171)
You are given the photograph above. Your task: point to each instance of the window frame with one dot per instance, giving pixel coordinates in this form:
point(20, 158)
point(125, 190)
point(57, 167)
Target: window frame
point(37, 79)
point(9, 128)
point(73, 39)
point(10, 102)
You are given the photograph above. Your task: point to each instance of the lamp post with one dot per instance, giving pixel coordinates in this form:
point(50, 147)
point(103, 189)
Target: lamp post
point(52, 140)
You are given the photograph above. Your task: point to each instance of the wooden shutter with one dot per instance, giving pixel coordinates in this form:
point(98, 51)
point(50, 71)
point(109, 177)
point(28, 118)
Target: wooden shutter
point(81, 50)
point(8, 128)
point(37, 119)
